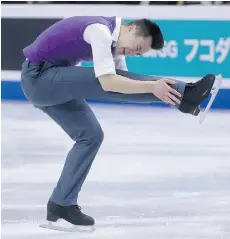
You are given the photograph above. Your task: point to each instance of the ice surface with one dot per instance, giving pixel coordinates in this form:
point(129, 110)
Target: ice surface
point(159, 174)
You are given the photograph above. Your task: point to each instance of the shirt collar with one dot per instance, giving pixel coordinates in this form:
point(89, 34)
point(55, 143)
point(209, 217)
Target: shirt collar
point(116, 31)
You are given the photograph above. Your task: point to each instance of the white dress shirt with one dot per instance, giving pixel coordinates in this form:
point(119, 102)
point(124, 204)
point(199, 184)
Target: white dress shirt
point(101, 40)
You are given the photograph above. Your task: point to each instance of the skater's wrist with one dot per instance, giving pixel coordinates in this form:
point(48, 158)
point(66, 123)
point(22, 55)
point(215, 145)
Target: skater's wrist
point(150, 86)
point(146, 86)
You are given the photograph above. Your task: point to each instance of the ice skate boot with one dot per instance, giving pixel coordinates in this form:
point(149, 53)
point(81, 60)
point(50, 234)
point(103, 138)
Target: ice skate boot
point(197, 92)
point(71, 214)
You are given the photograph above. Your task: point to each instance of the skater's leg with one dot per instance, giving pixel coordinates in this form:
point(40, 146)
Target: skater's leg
point(49, 85)
point(78, 121)
point(57, 85)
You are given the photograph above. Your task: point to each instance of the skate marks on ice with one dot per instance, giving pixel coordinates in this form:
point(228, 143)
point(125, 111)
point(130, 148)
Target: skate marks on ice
point(161, 209)
point(154, 176)
point(67, 227)
point(165, 228)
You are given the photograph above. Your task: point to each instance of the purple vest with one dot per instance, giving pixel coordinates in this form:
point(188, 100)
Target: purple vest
point(63, 43)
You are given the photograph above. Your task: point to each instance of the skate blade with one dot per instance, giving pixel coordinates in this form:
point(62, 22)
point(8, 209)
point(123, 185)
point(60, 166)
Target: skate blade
point(214, 93)
point(69, 228)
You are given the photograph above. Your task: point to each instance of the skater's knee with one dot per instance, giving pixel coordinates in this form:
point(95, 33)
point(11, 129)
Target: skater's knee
point(92, 135)
point(98, 135)
point(95, 136)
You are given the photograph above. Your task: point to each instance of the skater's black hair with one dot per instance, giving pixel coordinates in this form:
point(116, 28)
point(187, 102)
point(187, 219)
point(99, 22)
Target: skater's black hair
point(146, 27)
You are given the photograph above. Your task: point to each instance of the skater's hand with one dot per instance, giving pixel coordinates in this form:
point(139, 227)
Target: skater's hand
point(165, 93)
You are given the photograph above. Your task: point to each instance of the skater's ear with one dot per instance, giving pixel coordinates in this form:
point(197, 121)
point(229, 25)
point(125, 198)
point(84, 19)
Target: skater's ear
point(132, 28)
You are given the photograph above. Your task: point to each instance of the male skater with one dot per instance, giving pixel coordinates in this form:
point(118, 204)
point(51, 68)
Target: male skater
point(53, 83)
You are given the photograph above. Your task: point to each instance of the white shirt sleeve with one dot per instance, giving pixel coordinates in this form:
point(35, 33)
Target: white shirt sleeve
point(100, 39)
point(120, 63)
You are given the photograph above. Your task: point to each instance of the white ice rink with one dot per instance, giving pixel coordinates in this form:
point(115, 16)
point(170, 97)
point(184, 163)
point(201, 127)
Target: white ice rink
point(158, 175)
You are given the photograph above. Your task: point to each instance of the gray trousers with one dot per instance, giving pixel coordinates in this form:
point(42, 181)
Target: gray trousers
point(60, 92)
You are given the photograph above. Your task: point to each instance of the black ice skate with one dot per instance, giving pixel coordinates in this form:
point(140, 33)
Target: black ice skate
point(197, 92)
point(71, 214)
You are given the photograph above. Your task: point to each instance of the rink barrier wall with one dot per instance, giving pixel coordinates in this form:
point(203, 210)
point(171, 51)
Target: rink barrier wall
point(197, 40)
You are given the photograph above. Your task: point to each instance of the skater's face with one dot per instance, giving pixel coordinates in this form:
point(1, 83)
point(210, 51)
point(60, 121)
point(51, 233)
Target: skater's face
point(131, 44)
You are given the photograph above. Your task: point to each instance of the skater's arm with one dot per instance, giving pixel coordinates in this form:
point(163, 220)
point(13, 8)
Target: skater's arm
point(160, 88)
